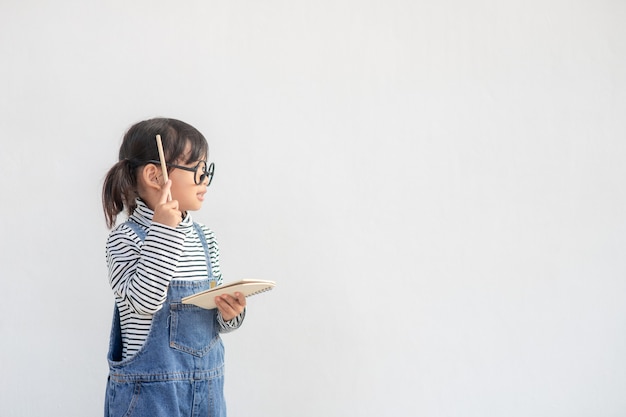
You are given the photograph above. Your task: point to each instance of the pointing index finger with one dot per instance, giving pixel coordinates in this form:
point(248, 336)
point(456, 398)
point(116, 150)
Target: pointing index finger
point(166, 195)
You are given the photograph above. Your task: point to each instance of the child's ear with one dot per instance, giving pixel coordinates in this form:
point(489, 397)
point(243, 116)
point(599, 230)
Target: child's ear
point(150, 176)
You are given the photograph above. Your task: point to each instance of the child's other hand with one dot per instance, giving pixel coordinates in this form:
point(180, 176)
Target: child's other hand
point(166, 212)
point(230, 306)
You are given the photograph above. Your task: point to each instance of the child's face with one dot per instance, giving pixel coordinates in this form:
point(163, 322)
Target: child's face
point(190, 195)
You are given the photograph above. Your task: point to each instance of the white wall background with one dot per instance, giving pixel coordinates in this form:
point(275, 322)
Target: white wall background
point(436, 186)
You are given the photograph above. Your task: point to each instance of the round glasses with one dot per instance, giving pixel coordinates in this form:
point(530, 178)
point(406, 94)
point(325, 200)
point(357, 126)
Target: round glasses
point(200, 172)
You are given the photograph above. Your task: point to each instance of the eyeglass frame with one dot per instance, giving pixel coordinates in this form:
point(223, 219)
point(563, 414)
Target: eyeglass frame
point(208, 172)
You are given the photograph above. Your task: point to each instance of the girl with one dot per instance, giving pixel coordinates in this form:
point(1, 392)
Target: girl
point(165, 358)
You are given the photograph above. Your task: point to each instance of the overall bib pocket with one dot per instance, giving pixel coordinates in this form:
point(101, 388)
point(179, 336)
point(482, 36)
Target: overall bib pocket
point(195, 340)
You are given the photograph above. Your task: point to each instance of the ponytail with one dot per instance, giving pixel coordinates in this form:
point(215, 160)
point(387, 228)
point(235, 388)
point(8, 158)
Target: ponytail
point(119, 191)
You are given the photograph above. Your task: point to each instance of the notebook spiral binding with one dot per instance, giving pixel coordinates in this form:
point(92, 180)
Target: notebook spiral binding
point(269, 287)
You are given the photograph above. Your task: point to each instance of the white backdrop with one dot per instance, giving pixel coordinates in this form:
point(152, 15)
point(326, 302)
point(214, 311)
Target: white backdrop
point(436, 187)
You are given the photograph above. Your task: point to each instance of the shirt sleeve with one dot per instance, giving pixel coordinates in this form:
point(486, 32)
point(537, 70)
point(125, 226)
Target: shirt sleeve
point(230, 325)
point(140, 272)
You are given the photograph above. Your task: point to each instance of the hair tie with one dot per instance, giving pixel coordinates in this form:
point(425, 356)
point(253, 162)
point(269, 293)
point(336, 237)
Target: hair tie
point(129, 163)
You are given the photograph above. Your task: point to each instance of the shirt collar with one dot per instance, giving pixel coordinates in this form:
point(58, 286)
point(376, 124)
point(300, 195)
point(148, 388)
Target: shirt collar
point(144, 214)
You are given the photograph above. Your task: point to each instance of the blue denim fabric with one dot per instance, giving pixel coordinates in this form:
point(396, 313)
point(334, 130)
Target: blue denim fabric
point(179, 371)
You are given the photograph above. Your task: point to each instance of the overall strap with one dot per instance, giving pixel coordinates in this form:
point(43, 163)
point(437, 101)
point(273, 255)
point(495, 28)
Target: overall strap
point(206, 250)
point(137, 229)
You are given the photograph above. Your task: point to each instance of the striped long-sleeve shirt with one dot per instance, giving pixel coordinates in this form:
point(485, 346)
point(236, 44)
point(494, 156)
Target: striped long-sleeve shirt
point(140, 272)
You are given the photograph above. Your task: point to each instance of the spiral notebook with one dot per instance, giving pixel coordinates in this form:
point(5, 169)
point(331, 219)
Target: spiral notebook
point(248, 287)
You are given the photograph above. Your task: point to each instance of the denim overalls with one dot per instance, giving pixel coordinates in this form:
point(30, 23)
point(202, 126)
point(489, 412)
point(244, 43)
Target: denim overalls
point(179, 371)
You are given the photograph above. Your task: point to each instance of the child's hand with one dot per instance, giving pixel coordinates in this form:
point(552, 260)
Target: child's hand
point(230, 306)
point(166, 212)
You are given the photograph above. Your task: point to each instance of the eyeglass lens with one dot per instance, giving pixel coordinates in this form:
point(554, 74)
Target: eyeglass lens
point(203, 172)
